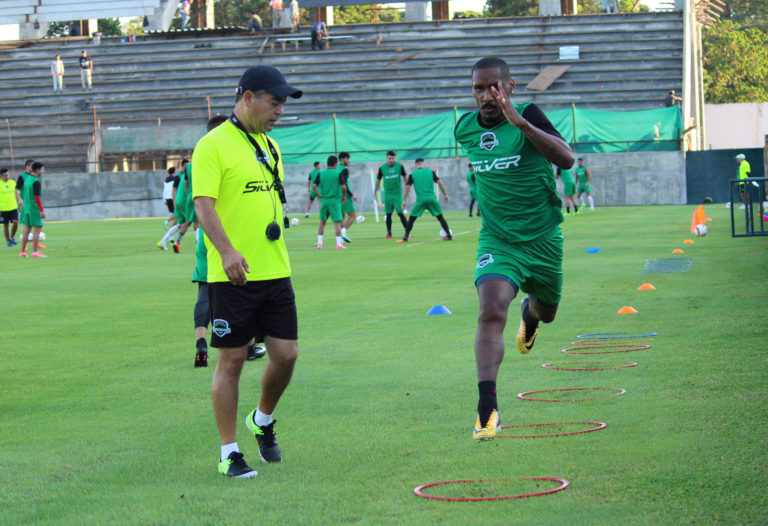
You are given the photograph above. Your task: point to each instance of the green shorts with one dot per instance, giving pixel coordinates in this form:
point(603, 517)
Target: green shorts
point(30, 216)
point(181, 214)
point(536, 267)
point(473, 194)
point(312, 195)
point(433, 205)
point(330, 206)
point(393, 202)
point(348, 206)
point(569, 187)
point(584, 188)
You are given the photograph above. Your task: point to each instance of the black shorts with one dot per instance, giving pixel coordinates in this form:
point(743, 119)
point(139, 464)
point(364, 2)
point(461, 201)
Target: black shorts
point(255, 310)
point(10, 216)
point(169, 204)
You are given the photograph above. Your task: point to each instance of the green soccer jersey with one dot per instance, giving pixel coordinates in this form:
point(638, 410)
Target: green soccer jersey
point(581, 173)
point(471, 181)
point(312, 176)
point(328, 185)
point(515, 182)
point(566, 176)
point(391, 175)
point(424, 183)
point(28, 193)
point(183, 193)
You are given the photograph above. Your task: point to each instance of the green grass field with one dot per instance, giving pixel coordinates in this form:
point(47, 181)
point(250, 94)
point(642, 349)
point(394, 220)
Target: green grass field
point(105, 420)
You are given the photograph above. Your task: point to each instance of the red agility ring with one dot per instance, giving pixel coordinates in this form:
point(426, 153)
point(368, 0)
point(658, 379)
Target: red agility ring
point(587, 366)
point(522, 396)
point(604, 343)
point(599, 426)
point(620, 347)
point(417, 491)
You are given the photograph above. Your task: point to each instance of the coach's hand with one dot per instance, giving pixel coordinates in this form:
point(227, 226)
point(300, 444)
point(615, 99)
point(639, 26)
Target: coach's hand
point(235, 267)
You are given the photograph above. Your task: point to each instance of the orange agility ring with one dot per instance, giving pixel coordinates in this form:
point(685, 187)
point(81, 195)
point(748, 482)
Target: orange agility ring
point(587, 366)
point(618, 392)
point(596, 426)
point(418, 490)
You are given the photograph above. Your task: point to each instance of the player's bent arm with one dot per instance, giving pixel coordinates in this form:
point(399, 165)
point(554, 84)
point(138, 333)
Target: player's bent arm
point(317, 194)
point(235, 265)
point(554, 149)
point(406, 192)
point(442, 189)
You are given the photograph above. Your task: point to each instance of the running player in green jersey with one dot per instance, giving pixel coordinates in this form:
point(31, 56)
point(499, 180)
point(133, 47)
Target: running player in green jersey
point(184, 211)
point(332, 192)
point(33, 213)
point(310, 180)
point(569, 188)
point(520, 247)
point(423, 181)
point(10, 200)
point(585, 178)
point(348, 206)
point(472, 183)
point(239, 199)
point(391, 173)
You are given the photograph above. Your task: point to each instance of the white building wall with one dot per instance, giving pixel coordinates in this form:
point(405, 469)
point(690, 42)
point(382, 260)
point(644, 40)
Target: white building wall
point(743, 125)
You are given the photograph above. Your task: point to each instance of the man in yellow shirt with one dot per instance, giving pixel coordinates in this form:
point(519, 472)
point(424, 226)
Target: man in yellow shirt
point(10, 201)
point(239, 199)
point(744, 171)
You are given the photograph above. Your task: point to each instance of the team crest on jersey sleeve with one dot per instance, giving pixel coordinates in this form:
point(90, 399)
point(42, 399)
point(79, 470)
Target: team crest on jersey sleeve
point(488, 141)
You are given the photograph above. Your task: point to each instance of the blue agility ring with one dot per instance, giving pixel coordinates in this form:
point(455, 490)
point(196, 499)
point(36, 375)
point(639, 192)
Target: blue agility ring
point(610, 335)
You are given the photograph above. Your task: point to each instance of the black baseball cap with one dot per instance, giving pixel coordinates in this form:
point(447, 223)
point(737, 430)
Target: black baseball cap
point(267, 78)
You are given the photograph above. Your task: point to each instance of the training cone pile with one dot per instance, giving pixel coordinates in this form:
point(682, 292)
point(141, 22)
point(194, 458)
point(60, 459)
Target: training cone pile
point(627, 310)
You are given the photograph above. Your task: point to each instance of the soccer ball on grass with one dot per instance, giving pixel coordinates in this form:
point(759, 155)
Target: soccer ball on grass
point(295, 221)
point(701, 230)
point(41, 238)
point(443, 235)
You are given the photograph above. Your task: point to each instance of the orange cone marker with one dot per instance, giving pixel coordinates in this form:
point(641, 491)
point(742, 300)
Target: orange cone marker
point(627, 310)
point(699, 218)
point(646, 286)
point(677, 251)
point(687, 241)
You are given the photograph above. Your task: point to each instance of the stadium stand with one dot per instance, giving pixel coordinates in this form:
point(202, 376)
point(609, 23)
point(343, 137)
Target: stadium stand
point(625, 62)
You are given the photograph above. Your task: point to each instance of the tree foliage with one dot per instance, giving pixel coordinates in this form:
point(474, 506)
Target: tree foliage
point(238, 12)
point(500, 8)
point(365, 14)
point(110, 27)
point(735, 63)
point(58, 29)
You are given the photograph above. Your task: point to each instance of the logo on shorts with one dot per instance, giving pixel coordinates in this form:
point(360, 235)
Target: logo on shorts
point(488, 141)
point(485, 259)
point(221, 328)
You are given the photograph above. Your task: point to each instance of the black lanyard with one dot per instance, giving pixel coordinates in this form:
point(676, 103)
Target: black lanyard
point(262, 158)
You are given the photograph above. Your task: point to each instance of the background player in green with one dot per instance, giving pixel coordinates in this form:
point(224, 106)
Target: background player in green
point(184, 210)
point(391, 173)
point(569, 188)
point(10, 202)
point(33, 213)
point(348, 206)
point(331, 191)
point(585, 187)
point(520, 246)
point(472, 183)
point(310, 180)
point(423, 181)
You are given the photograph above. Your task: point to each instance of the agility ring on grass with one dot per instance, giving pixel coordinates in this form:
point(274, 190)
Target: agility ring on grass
point(418, 490)
point(597, 426)
point(587, 366)
point(618, 392)
point(625, 347)
point(598, 343)
point(614, 335)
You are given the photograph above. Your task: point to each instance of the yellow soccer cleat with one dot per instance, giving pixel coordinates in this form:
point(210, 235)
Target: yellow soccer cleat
point(492, 427)
point(525, 341)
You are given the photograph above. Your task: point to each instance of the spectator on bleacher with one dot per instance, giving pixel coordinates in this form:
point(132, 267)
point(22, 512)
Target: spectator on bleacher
point(294, 16)
point(318, 31)
point(185, 10)
point(608, 6)
point(57, 72)
point(86, 70)
point(255, 23)
point(672, 99)
point(277, 13)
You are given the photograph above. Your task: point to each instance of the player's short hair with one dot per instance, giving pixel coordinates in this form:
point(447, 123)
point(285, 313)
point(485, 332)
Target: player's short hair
point(28, 162)
point(215, 121)
point(419, 160)
point(344, 155)
point(580, 159)
point(492, 63)
point(184, 162)
point(317, 163)
point(171, 170)
point(3, 171)
point(469, 165)
point(392, 153)
point(332, 160)
point(36, 166)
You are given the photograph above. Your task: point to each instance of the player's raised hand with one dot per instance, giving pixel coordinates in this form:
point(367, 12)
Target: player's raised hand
point(500, 95)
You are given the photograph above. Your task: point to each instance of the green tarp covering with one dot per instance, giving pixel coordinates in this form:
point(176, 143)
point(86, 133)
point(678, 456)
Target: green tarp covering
point(596, 131)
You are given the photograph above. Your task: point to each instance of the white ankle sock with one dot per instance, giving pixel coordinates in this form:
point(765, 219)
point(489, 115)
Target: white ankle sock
point(227, 449)
point(591, 202)
point(343, 231)
point(260, 419)
point(339, 241)
point(319, 238)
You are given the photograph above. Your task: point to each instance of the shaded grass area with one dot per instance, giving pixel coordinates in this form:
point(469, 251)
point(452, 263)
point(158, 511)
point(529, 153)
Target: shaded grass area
point(104, 419)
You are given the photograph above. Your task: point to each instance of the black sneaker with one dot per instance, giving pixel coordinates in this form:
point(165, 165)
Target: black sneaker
point(201, 358)
point(234, 466)
point(269, 449)
point(255, 352)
